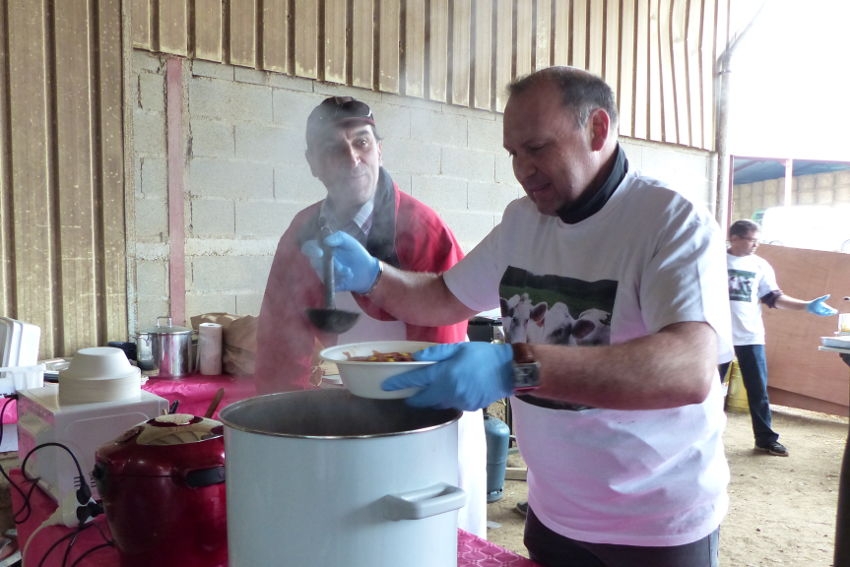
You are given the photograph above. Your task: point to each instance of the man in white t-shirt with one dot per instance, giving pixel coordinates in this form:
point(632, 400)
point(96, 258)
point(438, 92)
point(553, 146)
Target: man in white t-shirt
point(752, 282)
point(611, 287)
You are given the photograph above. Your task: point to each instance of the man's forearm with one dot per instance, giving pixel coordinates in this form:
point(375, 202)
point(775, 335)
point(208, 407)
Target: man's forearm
point(671, 368)
point(418, 298)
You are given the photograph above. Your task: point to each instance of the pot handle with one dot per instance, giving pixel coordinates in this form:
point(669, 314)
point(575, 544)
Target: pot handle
point(424, 502)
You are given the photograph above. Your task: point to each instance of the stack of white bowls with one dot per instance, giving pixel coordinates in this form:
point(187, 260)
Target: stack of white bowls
point(99, 374)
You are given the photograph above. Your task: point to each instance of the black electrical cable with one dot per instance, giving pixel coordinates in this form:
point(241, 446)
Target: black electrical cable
point(83, 497)
point(70, 546)
point(24, 497)
point(89, 552)
point(83, 489)
point(26, 506)
point(72, 536)
point(50, 444)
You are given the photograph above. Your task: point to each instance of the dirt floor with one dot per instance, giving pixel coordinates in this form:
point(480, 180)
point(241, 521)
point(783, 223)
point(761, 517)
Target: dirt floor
point(782, 510)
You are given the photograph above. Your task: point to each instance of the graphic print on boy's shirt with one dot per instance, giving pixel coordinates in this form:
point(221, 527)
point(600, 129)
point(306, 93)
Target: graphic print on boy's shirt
point(741, 285)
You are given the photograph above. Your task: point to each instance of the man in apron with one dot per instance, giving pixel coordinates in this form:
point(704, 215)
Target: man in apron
point(344, 153)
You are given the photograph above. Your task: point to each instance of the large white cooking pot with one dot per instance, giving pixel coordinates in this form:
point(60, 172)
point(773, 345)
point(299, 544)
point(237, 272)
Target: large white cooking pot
point(324, 478)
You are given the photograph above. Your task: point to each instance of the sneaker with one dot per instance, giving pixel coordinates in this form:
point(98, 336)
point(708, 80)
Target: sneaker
point(773, 448)
point(521, 508)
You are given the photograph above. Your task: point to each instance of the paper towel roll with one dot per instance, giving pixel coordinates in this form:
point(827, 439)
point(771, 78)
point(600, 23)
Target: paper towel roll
point(209, 348)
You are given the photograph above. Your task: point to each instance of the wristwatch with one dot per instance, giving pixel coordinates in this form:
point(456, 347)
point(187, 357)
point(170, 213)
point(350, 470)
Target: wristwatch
point(526, 368)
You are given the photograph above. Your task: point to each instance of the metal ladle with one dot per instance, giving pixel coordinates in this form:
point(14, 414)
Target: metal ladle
point(330, 319)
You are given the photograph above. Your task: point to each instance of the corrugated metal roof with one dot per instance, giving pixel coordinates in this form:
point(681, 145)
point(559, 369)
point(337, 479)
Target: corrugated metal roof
point(751, 170)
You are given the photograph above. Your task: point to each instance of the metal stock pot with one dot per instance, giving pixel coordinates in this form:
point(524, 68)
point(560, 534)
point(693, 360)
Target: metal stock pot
point(166, 348)
point(324, 478)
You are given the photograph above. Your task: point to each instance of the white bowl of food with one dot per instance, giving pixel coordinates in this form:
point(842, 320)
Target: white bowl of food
point(364, 366)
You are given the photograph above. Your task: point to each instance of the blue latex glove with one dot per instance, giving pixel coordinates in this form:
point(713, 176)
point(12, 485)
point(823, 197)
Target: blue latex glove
point(819, 307)
point(354, 268)
point(467, 376)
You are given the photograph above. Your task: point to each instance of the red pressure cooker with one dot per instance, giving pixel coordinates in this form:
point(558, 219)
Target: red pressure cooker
point(163, 491)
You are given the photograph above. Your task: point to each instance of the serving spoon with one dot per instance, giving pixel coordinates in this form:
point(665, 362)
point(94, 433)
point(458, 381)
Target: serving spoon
point(330, 319)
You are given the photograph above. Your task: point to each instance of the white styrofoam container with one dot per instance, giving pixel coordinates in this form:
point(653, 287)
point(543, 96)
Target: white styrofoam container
point(16, 378)
point(7, 328)
point(19, 342)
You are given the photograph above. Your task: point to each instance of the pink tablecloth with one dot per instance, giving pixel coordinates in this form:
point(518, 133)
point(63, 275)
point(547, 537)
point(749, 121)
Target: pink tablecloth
point(194, 393)
point(54, 546)
point(32, 506)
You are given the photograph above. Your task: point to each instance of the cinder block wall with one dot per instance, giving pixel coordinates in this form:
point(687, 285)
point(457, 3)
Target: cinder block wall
point(246, 175)
point(828, 189)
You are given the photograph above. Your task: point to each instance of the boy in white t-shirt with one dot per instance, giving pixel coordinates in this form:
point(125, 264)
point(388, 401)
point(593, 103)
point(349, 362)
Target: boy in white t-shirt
point(752, 282)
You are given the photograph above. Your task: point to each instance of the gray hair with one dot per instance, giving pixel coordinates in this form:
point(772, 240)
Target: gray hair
point(581, 91)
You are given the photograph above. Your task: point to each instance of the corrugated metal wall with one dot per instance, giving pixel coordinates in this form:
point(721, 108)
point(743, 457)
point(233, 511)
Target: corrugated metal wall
point(658, 54)
point(62, 233)
point(62, 115)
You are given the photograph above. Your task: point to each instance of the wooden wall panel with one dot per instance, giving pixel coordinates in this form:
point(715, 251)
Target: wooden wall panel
point(415, 26)
point(693, 35)
point(6, 286)
point(611, 55)
point(640, 128)
point(109, 135)
point(562, 31)
point(655, 87)
point(243, 35)
point(275, 28)
point(800, 375)
point(669, 123)
point(363, 44)
point(5, 183)
point(141, 24)
point(678, 53)
point(207, 26)
point(715, 36)
point(76, 208)
point(578, 33)
point(389, 47)
point(596, 38)
point(461, 53)
point(524, 41)
point(438, 51)
point(543, 34)
point(306, 26)
point(503, 68)
point(173, 26)
point(30, 192)
point(336, 41)
point(657, 55)
point(482, 54)
point(63, 191)
point(626, 94)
